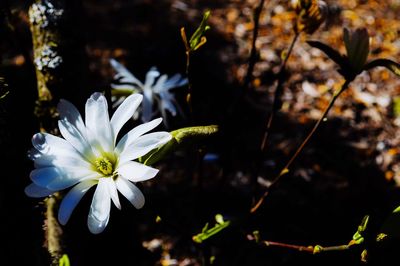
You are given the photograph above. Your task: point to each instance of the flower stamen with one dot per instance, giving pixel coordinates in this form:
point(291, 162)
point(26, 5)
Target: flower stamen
point(104, 166)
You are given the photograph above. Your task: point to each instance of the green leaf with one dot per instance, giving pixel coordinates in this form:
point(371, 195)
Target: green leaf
point(180, 138)
point(207, 232)
point(205, 228)
point(358, 236)
point(198, 38)
point(219, 218)
point(396, 210)
point(389, 64)
point(121, 92)
point(64, 260)
point(331, 53)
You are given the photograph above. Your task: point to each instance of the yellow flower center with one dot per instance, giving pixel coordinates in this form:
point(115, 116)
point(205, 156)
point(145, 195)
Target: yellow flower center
point(104, 166)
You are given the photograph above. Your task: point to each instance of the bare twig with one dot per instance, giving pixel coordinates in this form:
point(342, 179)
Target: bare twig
point(309, 249)
point(285, 169)
point(253, 52)
point(278, 93)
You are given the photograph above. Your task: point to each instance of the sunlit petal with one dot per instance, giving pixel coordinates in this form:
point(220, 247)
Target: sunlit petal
point(143, 145)
point(132, 135)
point(74, 136)
point(124, 112)
point(99, 213)
point(112, 190)
point(136, 172)
point(131, 192)
point(72, 198)
point(70, 113)
point(98, 122)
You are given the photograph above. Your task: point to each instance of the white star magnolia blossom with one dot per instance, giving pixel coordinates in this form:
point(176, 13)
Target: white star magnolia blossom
point(88, 155)
point(154, 91)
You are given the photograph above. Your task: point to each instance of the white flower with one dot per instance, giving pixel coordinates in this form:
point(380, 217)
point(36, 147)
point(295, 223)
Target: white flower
point(89, 155)
point(156, 90)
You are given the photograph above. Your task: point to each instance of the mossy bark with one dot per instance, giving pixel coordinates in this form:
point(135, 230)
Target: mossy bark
point(58, 56)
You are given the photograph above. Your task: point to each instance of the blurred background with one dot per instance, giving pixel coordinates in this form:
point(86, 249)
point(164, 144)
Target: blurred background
point(350, 168)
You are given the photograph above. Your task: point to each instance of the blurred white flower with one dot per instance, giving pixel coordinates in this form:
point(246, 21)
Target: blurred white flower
point(89, 155)
point(156, 90)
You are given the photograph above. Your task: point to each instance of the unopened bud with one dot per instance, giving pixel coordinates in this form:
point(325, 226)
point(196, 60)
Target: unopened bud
point(310, 15)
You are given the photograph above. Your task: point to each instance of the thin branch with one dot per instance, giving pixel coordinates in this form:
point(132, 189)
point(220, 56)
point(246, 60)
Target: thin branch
point(309, 249)
point(285, 169)
point(278, 93)
point(253, 52)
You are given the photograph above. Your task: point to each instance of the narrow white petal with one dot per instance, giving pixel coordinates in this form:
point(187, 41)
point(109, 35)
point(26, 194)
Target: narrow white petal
point(123, 74)
point(44, 176)
point(143, 145)
point(167, 102)
point(72, 199)
point(70, 113)
point(43, 160)
point(136, 172)
point(132, 135)
point(112, 190)
point(36, 191)
point(99, 213)
point(151, 75)
point(98, 123)
point(55, 178)
point(131, 192)
point(74, 136)
point(51, 145)
point(147, 107)
point(159, 86)
point(72, 177)
point(125, 112)
point(174, 82)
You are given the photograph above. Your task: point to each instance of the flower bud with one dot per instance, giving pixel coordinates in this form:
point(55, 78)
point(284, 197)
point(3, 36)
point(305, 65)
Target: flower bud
point(357, 47)
point(310, 15)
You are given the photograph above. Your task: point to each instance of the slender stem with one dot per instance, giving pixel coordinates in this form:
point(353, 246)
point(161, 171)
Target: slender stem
point(189, 94)
point(285, 169)
point(286, 58)
point(303, 144)
point(310, 249)
point(253, 52)
point(278, 93)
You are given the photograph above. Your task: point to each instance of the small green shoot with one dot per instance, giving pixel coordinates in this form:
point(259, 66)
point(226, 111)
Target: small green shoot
point(358, 236)
point(197, 39)
point(180, 138)
point(64, 260)
point(209, 232)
